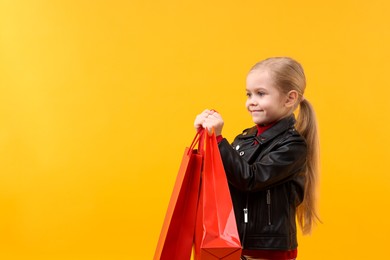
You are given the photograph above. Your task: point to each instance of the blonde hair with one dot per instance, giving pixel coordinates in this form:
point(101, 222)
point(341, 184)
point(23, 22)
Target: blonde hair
point(288, 75)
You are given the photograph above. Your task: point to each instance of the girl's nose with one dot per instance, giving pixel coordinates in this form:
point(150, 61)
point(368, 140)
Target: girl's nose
point(252, 101)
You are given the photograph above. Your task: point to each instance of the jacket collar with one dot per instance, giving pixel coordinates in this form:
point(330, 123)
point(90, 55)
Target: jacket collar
point(283, 125)
point(280, 127)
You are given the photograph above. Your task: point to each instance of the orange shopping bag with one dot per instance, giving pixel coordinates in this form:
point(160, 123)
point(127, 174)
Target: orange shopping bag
point(177, 233)
point(216, 235)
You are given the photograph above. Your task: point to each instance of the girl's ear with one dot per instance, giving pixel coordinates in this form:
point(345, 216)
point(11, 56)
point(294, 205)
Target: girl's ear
point(292, 98)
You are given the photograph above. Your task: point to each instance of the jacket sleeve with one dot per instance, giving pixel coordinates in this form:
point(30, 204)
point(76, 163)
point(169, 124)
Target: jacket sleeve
point(279, 165)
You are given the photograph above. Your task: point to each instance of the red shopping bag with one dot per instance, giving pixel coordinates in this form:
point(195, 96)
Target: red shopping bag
point(177, 233)
point(216, 235)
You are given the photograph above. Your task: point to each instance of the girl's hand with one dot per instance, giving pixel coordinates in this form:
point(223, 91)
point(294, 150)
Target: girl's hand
point(209, 119)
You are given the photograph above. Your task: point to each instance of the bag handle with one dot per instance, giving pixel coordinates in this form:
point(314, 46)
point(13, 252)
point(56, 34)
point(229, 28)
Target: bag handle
point(198, 139)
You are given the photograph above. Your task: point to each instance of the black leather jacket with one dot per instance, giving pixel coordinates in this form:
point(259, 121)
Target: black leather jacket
point(266, 184)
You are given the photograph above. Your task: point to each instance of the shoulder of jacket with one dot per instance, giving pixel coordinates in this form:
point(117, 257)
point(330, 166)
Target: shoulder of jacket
point(292, 136)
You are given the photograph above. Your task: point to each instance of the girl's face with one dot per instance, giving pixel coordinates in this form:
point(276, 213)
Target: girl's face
point(265, 102)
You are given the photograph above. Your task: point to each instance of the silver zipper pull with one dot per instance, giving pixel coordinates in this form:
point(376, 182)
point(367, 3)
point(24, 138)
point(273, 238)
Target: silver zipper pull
point(268, 197)
point(269, 206)
point(245, 215)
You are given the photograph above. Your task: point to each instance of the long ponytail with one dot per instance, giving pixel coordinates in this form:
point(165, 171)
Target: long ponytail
point(306, 125)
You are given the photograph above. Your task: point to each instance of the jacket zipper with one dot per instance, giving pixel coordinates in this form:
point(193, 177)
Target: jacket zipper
point(246, 220)
point(245, 215)
point(269, 206)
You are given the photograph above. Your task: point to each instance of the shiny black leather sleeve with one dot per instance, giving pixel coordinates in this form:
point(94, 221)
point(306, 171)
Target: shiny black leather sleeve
point(283, 162)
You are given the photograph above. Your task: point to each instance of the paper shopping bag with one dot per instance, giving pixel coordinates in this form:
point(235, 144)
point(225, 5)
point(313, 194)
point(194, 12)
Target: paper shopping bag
point(216, 235)
point(177, 233)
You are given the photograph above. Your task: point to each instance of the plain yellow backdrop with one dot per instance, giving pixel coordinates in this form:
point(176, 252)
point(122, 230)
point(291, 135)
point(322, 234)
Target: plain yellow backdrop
point(98, 98)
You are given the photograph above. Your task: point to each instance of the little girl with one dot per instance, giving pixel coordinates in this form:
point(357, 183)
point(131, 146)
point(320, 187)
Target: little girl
point(272, 167)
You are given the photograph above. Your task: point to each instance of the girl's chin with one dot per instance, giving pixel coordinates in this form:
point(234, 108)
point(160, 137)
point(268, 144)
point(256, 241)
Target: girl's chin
point(259, 122)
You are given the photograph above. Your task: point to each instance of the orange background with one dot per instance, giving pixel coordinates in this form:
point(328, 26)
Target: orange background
point(98, 98)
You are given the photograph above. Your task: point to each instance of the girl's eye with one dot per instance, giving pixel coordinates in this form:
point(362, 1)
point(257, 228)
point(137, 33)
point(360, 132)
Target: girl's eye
point(248, 95)
point(260, 93)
